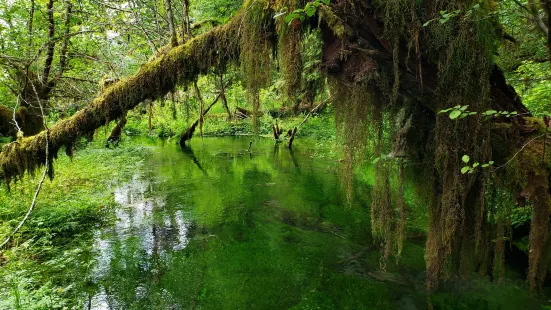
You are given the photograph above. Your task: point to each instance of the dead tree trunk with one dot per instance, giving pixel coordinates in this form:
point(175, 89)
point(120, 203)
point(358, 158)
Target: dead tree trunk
point(223, 96)
point(188, 133)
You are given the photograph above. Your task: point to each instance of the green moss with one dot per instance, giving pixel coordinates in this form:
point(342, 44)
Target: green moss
point(335, 23)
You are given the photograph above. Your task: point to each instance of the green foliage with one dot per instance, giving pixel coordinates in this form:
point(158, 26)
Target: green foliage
point(459, 112)
point(471, 168)
point(220, 10)
point(525, 61)
point(301, 14)
point(48, 265)
point(446, 16)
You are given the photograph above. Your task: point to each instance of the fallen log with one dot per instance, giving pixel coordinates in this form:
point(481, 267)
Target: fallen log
point(180, 65)
point(242, 113)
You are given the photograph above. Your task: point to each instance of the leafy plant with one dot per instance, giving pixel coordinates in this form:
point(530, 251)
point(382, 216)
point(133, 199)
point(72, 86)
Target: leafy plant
point(471, 168)
point(458, 112)
point(494, 113)
point(445, 16)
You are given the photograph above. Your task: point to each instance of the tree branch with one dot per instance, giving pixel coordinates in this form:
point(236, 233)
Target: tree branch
point(155, 78)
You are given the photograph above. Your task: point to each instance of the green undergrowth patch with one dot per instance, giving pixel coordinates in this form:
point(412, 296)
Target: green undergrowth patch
point(44, 266)
point(318, 133)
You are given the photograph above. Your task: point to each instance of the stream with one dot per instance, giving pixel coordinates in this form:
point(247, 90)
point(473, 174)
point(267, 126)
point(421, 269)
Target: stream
point(214, 226)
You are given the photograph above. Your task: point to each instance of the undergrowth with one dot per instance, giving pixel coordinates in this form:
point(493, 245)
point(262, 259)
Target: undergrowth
point(45, 265)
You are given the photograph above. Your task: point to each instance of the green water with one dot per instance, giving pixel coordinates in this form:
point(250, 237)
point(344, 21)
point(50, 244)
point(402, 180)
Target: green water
point(216, 227)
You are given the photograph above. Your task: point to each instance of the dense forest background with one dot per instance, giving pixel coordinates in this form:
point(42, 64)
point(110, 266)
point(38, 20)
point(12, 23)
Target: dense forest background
point(449, 100)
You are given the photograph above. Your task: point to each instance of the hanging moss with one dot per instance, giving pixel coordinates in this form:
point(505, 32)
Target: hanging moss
point(352, 109)
point(382, 217)
point(528, 170)
point(255, 30)
point(401, 225)
point(289, 47)
point(464, 61)
point(459, 52)
point(334, 22)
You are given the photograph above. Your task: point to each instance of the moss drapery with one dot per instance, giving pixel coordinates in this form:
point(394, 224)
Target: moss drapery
point(381, 48)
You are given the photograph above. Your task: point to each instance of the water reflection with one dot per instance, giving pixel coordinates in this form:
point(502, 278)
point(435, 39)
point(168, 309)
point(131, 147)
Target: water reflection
point(214, 227)
point(139, 243)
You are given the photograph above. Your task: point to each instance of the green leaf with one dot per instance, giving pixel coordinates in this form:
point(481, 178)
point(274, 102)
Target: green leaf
point(476, 165)
point(445, 111)
point(466, 158)
point(455, 114)
point(376, 160)
point(485, 166)
point(463, 108)
point(491, 162)
point(465, 169)
point(310, 10)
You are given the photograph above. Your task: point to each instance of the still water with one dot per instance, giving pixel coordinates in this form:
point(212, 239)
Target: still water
point(214, 226)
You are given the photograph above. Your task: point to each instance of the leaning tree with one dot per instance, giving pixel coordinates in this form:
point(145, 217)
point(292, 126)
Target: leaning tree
point(392, 66)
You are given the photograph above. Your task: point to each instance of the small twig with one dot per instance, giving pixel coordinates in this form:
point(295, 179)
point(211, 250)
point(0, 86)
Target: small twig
point(521, 149)
point(33, 204)
point(14, 117)
point(313, 110)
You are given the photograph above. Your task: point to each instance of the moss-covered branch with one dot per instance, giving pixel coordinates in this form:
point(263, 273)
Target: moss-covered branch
point(181, 64)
